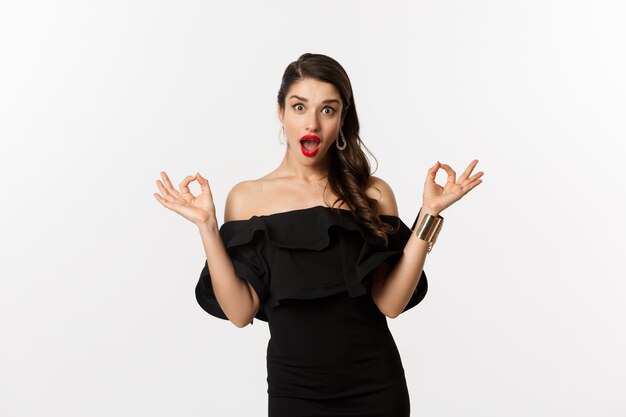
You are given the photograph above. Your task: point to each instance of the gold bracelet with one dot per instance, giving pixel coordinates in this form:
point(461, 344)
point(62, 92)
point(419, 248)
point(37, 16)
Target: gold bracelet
point(429, 229)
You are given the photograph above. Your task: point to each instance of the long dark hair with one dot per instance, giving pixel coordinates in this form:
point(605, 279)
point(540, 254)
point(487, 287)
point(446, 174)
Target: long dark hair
point(349, 172)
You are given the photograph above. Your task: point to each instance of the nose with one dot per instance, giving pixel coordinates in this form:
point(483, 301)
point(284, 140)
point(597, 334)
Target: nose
point(312, 122)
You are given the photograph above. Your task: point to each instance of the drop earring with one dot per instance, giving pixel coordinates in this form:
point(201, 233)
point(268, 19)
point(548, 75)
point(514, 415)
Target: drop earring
point(345, 143)
point(281, 134)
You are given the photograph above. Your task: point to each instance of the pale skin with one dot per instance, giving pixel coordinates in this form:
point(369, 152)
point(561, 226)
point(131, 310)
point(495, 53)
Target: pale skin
point(298, 182)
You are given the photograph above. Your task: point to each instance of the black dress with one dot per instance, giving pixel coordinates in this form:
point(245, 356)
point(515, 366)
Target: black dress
point(330, 352)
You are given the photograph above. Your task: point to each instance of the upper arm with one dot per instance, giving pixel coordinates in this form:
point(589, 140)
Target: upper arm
point(387, 204)
point(236, 208)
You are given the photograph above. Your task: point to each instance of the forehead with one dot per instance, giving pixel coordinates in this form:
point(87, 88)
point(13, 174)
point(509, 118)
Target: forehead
point(313, 90)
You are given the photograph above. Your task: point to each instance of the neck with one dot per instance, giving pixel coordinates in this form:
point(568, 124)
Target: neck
point(301, 172)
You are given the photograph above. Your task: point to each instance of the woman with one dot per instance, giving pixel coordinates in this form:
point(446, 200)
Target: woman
point(316, 249)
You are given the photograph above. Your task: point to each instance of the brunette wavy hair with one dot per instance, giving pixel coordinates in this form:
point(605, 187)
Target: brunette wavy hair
point(349, 172)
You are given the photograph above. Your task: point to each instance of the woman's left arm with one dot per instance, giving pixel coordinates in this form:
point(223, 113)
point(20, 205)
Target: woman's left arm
point(392, 290)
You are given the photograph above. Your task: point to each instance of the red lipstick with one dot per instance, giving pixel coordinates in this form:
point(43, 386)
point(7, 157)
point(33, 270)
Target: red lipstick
point(309, 145)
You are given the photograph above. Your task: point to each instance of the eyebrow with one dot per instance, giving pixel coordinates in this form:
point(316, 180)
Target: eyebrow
point(329, 100)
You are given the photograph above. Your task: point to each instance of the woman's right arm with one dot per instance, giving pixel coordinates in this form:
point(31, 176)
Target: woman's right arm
point(235, 296)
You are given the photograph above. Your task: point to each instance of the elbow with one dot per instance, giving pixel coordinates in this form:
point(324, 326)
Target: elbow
point(241, 322)
point(240, 325)
point(244, 316)
point(392, 315)
point(394, 312)
point(237, 319)
point(385, 310)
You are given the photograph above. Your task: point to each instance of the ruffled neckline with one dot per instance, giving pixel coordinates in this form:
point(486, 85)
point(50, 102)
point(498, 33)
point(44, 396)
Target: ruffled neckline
point(290, 213)
point(305, 228)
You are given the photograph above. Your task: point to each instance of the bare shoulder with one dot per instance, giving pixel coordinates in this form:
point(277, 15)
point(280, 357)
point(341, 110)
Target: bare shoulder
point(382, 192)
point(241, 200)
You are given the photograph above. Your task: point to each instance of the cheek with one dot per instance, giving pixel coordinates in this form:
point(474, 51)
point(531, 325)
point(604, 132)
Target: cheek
point(289, 125)
point(332, 130)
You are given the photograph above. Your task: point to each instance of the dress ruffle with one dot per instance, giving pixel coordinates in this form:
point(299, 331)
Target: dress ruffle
point(313, 252)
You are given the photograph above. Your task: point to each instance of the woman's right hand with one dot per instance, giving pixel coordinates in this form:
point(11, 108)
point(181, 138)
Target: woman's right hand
point(197, 209)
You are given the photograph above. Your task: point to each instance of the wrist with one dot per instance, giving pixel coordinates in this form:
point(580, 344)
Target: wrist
point(208, 226)
point(429, 210)
point(429, 227)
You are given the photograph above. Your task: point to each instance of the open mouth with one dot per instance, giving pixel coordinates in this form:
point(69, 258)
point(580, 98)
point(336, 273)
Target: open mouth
point(310, 145)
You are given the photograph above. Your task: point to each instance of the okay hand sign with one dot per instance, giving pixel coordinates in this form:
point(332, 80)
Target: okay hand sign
point(197, 209)
point(438, 198)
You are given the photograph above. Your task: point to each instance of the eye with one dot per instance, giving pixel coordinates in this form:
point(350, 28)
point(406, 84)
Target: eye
point(328, 107)
point(296, 105)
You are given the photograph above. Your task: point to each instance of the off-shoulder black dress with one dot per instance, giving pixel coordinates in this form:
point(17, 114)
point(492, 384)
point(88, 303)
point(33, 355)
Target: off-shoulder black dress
point(330, 351)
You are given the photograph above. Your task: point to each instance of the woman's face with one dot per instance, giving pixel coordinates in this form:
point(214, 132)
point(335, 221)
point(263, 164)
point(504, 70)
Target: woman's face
point(312, 107)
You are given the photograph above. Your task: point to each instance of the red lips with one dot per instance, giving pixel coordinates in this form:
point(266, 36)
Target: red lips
point(310, 151)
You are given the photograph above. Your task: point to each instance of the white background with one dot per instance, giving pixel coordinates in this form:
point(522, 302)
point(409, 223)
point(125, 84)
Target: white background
point(525, 314)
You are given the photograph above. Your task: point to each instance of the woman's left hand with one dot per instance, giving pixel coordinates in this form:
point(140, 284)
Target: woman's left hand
point(438, 198)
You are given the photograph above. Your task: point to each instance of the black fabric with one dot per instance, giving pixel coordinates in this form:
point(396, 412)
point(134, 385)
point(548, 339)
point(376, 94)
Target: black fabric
point(330, 347)
point(308, 250)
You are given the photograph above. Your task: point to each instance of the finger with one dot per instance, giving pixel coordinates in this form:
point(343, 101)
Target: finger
point(432, 173)
point(476, 176)
point(163, 201)
point(204, 184)
point(471, 186)
point(472, 178)
point(450, 172)
point(468, 170)
point(184, 184)
point(167, 195)
point(166, 203)
point(168, 184)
